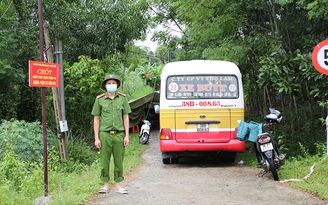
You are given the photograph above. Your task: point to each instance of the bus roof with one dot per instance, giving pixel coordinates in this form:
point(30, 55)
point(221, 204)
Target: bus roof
point(200, 67)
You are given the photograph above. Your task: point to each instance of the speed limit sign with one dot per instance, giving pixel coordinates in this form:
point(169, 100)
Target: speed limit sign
point(320, 57)
point(320, 62)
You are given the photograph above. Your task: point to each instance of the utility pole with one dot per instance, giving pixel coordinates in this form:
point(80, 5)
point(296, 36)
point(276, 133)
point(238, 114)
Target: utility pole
point(59, 60)
point(56, 100)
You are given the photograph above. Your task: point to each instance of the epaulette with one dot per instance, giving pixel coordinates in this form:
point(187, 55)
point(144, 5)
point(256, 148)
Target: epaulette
point(101, 95)
point(124, 95)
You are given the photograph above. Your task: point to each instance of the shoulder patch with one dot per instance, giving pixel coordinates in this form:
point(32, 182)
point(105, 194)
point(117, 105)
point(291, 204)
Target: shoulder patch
point(121, 94)
point(101, 95)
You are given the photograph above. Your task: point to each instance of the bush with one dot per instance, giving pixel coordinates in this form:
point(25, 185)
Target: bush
point(25, 139)
point(79, 150)
point(13, 171)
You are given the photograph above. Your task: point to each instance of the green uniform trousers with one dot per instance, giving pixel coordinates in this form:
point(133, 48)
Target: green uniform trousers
point(112, 144)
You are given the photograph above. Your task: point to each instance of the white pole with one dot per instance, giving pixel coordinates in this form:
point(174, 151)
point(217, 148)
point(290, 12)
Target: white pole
point(327, 132)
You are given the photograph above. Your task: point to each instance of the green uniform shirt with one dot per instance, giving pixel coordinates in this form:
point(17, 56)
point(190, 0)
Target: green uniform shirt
point(111, 111)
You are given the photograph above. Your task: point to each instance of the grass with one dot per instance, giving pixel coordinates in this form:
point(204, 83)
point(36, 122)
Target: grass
point(67, 188)
point(316, 183)
point(79, 187)
point(69, 191)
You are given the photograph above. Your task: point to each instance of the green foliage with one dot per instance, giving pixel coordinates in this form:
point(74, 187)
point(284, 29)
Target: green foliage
point(279, 69)
point(80, 154)
point(165, 54)
point(83, 82)
point(272, 45)
point(135, 56)
point(300, 143)
point(7, 38)
point(70, 182)
point(132, 153)
point(13, 170)
point(151, 74)
point(10, 75)
point(24, 139)
point(18, 34)
point(95, 28)
point(136, 83)
point(55, 163)
point(21, 152)
point(315, 8)
point(316, 183)
point(79, 151)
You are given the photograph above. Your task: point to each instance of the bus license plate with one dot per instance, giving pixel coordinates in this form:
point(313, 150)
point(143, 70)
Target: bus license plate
point(203, 128)
point(266, 147)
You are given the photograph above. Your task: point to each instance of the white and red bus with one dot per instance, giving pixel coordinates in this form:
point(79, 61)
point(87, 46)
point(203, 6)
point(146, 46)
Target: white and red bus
point(200, 103)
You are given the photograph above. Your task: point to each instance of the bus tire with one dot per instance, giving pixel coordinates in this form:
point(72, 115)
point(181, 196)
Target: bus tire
point(166, 160)
point(175, 160)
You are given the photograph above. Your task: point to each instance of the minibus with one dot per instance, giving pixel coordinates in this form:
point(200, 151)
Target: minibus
point(201, 102)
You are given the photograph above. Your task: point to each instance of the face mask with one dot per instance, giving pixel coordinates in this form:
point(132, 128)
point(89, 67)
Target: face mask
point(111, 88)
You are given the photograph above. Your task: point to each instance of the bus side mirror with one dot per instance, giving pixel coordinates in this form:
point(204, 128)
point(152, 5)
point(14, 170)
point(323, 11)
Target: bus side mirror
point(156, 108)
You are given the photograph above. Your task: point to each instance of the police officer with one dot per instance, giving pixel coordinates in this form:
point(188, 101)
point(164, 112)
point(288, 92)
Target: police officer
point(111, 129)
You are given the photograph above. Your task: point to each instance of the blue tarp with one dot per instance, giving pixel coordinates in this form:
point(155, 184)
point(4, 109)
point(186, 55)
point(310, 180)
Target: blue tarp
point(248, 131)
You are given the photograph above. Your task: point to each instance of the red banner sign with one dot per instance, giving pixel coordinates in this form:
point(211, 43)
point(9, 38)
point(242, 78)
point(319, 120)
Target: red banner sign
point(43, 74)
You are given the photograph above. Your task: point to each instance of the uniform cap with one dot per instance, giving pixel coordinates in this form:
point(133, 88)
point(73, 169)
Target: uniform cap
point(111, 77)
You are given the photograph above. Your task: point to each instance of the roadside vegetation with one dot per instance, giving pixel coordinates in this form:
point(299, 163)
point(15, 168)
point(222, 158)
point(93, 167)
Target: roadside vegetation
point(308, 172)
point(76, 180)
point(70, 182)
point(271, 42)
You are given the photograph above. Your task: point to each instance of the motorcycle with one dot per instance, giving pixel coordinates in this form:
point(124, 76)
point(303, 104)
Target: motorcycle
point(144, 132)
point(266, 148)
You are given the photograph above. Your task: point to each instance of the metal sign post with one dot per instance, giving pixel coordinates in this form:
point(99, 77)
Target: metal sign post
point(43, 99)
point(320, 62)
point(327, 131)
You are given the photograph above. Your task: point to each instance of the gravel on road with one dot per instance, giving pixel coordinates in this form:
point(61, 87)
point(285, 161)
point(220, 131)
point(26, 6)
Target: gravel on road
point(200, 182)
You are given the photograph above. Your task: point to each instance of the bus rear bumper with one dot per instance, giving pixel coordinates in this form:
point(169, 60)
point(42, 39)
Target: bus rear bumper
point(233, 145)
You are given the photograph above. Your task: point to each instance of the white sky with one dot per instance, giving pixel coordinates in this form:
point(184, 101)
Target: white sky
point(151, 44)
point(147, 43)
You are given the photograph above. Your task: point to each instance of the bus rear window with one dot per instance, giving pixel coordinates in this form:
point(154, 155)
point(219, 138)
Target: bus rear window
point(202, 87)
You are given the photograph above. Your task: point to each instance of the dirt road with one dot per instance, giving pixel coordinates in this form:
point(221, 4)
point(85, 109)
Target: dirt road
point(193, 182)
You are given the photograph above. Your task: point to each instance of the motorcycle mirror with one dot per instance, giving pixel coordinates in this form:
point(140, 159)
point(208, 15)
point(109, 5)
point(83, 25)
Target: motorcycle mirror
point(272, 110)
point(156, 108)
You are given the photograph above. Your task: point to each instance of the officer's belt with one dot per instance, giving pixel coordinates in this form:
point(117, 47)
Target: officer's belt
point(114, 131)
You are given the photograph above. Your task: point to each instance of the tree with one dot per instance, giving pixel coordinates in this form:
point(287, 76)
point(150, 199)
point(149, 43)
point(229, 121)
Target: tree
point(269, 40)
point(84, 82)
point(13, 70)
point(95, 28)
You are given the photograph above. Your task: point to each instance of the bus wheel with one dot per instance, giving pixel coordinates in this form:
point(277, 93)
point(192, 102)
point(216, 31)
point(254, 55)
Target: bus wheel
point(175, 160)
point(166, 160)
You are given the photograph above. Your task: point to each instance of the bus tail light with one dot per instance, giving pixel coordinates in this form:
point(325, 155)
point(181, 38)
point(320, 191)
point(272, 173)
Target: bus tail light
point(165, 134)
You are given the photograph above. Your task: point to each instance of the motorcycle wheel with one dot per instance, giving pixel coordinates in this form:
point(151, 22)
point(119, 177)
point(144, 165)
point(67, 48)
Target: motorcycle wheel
point(273, 169)
point(144, 138)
